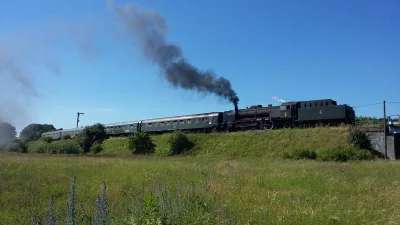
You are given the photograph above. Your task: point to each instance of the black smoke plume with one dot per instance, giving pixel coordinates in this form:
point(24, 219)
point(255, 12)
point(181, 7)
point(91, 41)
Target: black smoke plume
point(149, 28)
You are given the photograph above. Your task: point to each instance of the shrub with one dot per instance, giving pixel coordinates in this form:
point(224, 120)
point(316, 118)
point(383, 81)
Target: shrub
point(96, 148)
point(66, 137)
point(301, 154)
point(141, 143)
point(23, 145)
point(179, 143)
point(90, 135)
point(46, 139)
point(39, 146)
point(69, 146)
point(358, 139)
point(17, 145)
point(12, 147)
point(343, 154)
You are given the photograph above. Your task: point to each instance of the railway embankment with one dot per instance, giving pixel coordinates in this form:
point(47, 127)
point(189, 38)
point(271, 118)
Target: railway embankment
point(269, 144)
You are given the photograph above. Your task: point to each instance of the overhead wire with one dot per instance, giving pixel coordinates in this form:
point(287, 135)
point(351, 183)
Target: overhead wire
point(367, 105)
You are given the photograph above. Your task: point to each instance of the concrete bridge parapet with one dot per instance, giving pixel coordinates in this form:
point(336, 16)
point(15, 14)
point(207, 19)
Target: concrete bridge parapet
point(377, 140)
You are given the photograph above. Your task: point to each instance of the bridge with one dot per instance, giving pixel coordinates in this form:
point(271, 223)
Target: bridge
point(377, 139)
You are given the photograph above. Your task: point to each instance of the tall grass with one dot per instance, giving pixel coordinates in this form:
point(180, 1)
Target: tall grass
point(164, 205)
point(222, 190)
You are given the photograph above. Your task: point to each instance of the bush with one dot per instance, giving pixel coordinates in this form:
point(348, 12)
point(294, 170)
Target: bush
point(12, 147)
point(96, 148)
point(179, 143)
point(17, 145)
point(301, 154)
point(358, 139)
point(46, 139)
point(39, 146)
point(66, 137)
point(141, 143)
point(343, 154)
point(90, 135)
point(62, 146)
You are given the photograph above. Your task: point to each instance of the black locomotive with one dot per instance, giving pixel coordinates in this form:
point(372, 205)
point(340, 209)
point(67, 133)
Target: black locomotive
point(256, 117)
point(289, 115)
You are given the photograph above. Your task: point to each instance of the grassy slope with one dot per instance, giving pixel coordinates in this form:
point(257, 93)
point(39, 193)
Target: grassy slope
point(265, 190)
point(258, 144)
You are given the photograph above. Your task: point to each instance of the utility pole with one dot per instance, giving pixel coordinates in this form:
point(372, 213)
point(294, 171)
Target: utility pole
point(384, 127)
point(77, 119)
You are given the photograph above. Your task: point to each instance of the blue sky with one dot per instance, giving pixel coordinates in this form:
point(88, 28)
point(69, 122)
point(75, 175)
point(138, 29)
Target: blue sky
point(298, 50)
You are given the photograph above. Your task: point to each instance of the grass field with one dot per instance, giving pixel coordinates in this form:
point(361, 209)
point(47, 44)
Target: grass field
point(241, 189)
point(232, 178)
point(245, 144)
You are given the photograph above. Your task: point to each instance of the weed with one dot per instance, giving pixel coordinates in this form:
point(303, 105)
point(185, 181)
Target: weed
point(343, 154)
point(358, 139)
point(300, 154)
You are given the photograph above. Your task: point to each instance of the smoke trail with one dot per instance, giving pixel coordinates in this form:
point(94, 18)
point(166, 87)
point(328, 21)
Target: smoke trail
point(278, 99)
point(23, 51)
point(149, 29)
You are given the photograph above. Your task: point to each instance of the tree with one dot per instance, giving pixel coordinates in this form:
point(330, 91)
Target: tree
point(7, 134)
point(90, 135)
point(34, 131)
point(141, 143)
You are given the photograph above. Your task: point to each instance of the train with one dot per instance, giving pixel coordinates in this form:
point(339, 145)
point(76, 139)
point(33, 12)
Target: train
point(256, 117)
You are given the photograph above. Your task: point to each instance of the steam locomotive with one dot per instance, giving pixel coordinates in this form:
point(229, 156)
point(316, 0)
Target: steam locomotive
point(256, 117)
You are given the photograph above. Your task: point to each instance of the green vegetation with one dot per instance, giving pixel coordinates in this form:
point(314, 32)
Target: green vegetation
point(282, 176)
point(294, 143)
point(322, 143)
point(34, 131)
point(90, 136)
point(364, 121)
point(7, 134)
point(165, 205)
point(358, 139)
point(345, 154)
point(179, 143)
point(300, 154)
point(141, 143)
point(222, 190)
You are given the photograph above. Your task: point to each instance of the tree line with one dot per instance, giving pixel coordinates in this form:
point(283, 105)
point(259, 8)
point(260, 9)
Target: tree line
point(89, 140)
point(32, 132)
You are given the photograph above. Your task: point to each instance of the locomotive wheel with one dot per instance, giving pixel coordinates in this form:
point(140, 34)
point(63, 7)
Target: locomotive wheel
point(286, 125)
point(268, 125)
